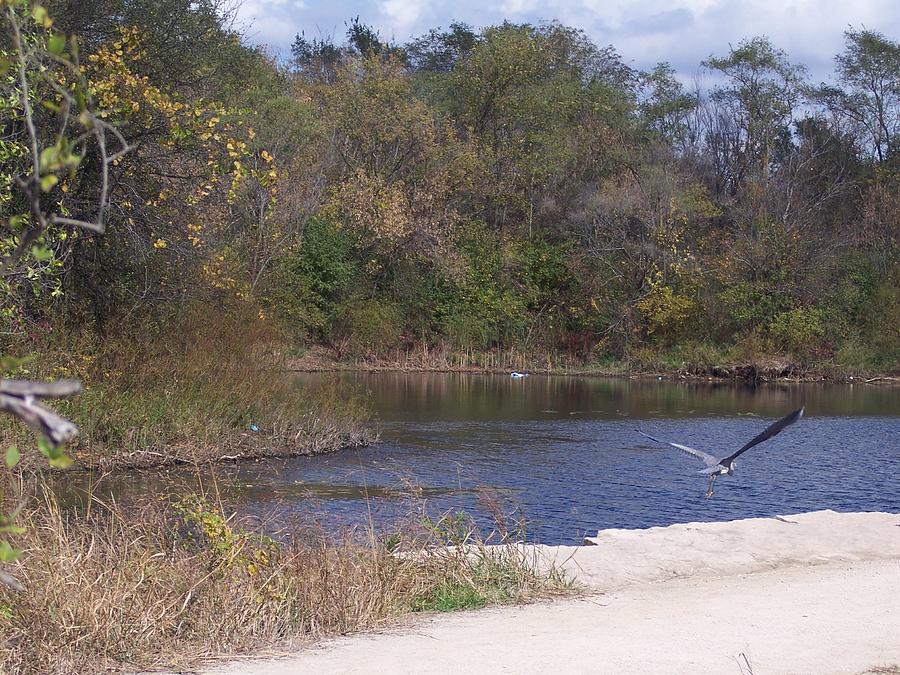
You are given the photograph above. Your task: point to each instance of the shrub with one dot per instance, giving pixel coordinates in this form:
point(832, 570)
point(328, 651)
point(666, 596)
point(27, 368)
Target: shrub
point(312, 279)
point(541, 270)
point(799, 331)
point(856, 356)
point(883, 324)
point(668, 315)
point(367, 327)
point(752, 304)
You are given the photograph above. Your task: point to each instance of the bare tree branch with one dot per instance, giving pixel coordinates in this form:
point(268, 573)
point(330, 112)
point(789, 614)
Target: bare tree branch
point(39, 417)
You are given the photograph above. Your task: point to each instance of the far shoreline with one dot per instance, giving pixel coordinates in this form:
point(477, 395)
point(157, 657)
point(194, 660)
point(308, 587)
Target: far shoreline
point(317, 360)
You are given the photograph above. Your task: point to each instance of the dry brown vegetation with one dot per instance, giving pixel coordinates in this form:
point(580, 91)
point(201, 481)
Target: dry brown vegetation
point(699, 361)
point(189, 391)
point(168, 586)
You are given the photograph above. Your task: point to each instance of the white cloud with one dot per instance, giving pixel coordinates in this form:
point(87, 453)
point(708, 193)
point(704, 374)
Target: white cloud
point(402, 15)
point(270, 22)
point(516, 7)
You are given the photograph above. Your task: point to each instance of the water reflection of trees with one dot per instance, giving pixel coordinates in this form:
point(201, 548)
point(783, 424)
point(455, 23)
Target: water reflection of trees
point(405, 396)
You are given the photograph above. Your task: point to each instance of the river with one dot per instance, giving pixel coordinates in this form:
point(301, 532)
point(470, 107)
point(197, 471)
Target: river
point(562, 454)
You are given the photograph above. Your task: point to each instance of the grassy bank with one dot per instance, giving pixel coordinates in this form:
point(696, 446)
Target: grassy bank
point(691, 361)
point(166, 586)
point(206, 386)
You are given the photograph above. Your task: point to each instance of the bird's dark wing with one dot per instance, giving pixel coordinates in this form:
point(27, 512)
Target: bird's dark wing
point(772, 430)
point(706, 458)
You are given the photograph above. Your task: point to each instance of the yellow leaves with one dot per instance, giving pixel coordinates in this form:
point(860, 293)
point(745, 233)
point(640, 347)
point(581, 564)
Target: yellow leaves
point(375, 207)
point(219, 162)
point(236, 148)
point(40, 16)
point(220, 271)
point(666, 311)
point(194, 231)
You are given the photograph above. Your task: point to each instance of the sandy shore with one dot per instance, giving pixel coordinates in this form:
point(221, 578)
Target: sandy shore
point(809, 593)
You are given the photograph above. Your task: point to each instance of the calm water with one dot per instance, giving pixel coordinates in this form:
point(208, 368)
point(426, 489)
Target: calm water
point(564, 452)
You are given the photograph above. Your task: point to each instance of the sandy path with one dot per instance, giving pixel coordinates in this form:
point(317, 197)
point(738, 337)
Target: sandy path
point(819, 594)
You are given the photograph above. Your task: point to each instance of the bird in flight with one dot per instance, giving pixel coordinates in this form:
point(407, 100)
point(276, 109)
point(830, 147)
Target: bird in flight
point(716, 467)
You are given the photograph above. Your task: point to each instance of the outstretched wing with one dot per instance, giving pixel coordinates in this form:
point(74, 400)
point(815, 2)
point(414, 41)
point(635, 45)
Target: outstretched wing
point(772, 430)
point(706, 458)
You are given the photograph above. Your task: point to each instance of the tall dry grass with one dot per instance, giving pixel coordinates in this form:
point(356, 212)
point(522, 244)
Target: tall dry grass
point(443, 358)
point(166, 586)
point(693, 359)
point(209, 384)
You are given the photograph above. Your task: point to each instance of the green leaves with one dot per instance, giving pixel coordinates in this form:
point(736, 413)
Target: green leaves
point(17, 221)
point(48, 182)
point(41, 17)
point(6, 522)
point(8, 553)
point(12, 457)
point(56, 45)
point(55, 454)
point(56, 158)
point(42, 253)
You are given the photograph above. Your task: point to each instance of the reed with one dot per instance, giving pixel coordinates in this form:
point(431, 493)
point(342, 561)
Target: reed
point(210, 384)
point(168, 585)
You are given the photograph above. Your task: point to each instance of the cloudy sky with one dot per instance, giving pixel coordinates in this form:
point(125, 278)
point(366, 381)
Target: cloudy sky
point(683, 32)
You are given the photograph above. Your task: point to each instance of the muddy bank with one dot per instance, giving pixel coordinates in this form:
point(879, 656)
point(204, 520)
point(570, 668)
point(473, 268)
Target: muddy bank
point(235, 447)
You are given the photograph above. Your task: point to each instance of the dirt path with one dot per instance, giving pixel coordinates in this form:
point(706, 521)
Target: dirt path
point(816, 593)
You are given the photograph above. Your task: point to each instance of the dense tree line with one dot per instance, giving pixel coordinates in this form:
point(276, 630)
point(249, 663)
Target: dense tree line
point(516, 187)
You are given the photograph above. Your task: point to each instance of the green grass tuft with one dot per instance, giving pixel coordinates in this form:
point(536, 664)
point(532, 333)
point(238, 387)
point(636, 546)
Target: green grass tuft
point(450, 596)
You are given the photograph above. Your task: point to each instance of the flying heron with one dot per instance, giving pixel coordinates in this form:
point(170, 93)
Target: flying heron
point(719, 467)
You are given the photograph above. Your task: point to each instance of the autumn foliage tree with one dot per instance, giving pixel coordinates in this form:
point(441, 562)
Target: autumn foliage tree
point(514, 188)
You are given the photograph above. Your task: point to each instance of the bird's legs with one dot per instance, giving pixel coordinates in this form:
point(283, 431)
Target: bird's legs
point(712, 482)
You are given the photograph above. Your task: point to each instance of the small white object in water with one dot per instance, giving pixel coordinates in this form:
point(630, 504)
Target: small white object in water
point(517, 374)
